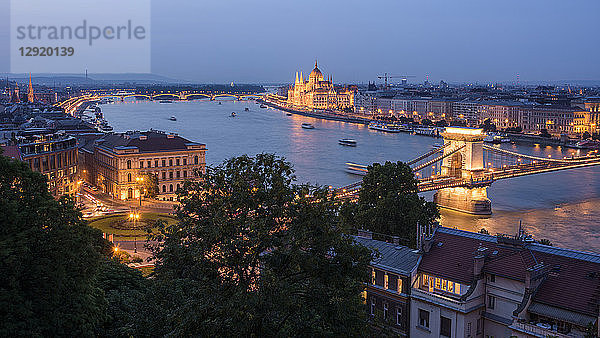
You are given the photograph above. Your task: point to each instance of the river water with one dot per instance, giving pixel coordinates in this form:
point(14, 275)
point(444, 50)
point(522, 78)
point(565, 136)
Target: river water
point(560, 206)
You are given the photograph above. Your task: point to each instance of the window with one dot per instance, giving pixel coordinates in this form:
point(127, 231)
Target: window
point(492, 278)
point(379, 277)
point(149, 163)
point(177, 186)
point(196, 159)
point(445, 327)
point(164, 175)
point(178, 174)
point(164, 163)
point(177, 162)
point(392, 282)
point(398, 315)
point(170, 188)
point(141, 164)
point(128, 164)
point(491, 302)
point(129, 177)
point(468, 329)
point(164, 188)
point(184, 173)
point(170, 162)
point(156, 163)
point(372, 306)
point(385, 310)
point(423, 318)
point(170, 174)
point(185, 161)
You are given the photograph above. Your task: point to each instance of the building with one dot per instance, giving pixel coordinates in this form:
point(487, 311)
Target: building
point(52, 154)
point(588, 115)
point(114, 161)
point(476, 285)
point(318, 93)
point(387, 295)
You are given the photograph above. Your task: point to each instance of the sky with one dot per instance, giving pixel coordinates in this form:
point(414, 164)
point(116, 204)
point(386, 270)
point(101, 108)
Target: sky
point(267, 41)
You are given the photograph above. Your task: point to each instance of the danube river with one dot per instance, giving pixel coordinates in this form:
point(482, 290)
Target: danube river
point(560, 206)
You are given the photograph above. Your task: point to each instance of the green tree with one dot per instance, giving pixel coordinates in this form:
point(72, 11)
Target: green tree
point(586, 135)
point(149, 185)
point(256, 255)
point(487, 125)
point(389, 203)
point(49, 259)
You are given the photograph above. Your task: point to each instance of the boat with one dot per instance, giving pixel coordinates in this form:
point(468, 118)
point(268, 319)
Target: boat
point(246, 109)
point(263, 106)
point(496, 138)
point(165, 101)
point(356, 169)
point(219, 102)
point(288, 114)
point(386, 127)
point(233, 114)
point(347, 142)
point(308, 126)
point(173, 118)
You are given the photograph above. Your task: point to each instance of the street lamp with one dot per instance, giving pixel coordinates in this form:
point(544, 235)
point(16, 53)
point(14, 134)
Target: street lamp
point(139, 181)
point(134, 216)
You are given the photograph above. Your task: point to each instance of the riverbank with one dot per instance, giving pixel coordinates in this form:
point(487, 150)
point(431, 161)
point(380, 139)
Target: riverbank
point(552, 142)
point(323, 115)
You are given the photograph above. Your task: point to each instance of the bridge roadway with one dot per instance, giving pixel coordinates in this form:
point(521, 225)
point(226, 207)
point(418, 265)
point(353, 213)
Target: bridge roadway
point(486, 177)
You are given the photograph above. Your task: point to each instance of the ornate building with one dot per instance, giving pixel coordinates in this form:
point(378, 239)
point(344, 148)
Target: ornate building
point(317, 93)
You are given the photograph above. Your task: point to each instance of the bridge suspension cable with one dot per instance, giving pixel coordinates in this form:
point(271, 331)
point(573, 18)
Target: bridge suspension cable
point(535, 158)
point(427, 154)
point(437, 159)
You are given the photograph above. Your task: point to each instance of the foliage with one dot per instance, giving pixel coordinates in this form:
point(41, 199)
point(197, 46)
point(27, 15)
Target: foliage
point(544, 133)
point(441, 123)
point(149, 186)
point(49, 259)
point(388, 203)
point(484, 231)
point(256, 255)
point(515, 130)
point(586, 135)
point(488, 126)
point(426, 122)
point(545, 241)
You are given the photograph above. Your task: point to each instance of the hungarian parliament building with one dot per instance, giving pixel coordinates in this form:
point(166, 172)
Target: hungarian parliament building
point(318, 93)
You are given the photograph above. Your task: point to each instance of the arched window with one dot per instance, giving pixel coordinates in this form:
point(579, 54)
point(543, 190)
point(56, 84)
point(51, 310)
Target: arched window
point(128, 164)
point(170, 187)
point(196, 159)
point(164, 188)
point(177, 186)
point(129, 177)
point(129, 193)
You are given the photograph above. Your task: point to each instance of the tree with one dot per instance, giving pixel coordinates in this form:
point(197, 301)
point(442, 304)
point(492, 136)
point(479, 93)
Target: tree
point(544, 133)
point(49, 259)
point(388, 203)
point(545, 241)
point(254, 254)
point(426, 122)
point(441, 123)
point(488, 126)
point(586, 135)
point(149, 186)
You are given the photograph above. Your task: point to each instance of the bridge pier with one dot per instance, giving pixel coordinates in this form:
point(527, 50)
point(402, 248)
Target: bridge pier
point(472, 201)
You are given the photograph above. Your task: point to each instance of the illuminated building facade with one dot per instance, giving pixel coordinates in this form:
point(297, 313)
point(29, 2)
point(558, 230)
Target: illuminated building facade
point(318, 93)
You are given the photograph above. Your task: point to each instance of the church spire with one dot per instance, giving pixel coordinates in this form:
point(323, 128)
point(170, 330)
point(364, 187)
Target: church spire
point(30, 96)
point(301, 77)
point(316, 63)
point(296, 77)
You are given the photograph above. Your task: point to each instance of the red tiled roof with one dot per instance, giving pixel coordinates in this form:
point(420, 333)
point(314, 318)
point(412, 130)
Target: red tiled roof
point(572, 283)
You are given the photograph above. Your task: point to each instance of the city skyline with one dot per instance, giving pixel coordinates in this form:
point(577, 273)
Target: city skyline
point(214, 42)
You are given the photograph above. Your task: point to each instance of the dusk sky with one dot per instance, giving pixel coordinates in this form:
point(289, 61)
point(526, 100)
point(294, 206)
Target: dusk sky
point(457, 41)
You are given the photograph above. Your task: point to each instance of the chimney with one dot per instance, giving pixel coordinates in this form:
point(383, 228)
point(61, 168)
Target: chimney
point(478, 262)
point(365, 234)
point(534, 276)
point(428, 243)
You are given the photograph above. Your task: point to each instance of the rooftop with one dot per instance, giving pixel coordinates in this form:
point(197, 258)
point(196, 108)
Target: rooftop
point(392, 257)
point(147, 141)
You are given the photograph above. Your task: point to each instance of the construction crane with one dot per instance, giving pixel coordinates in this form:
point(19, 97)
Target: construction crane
point(385, 77)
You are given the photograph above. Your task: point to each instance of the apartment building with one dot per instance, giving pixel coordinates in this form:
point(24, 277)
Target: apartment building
point(114, 161)
point(476, 285)
point(387, 295)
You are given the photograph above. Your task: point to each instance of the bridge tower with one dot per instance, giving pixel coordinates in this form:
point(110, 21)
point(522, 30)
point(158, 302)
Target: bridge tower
point(464, 160)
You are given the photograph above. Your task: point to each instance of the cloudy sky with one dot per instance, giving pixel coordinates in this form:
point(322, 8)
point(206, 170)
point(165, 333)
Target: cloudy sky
point(221, 41)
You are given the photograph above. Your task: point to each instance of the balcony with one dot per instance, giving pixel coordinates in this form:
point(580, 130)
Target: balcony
point(539, 330)
point(448, 302)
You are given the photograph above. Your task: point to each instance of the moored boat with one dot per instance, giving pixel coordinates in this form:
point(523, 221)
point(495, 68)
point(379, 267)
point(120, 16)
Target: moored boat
point(173, 118)
point(308, 126)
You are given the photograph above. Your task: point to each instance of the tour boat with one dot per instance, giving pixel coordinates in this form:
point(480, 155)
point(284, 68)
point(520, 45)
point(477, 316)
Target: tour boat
point(347, 142)
point(173, 118)
point(263, 106)
point(307, 126)
point(387, 127)
point(233, 114)
point(356, 169)
point(289, 114)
